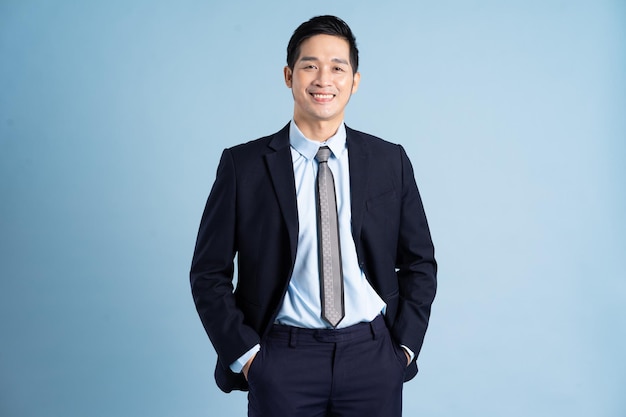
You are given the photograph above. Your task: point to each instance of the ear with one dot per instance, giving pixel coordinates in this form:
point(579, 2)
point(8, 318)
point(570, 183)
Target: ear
point(356, 82)
point(288, 76)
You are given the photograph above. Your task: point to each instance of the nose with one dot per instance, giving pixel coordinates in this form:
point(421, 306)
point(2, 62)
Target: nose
point(324, 77)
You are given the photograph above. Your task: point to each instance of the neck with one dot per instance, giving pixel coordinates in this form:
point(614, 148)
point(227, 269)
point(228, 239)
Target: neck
point(318, 131)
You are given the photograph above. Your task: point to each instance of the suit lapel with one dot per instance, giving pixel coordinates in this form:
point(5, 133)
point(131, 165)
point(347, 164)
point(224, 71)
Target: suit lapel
point(280, 167)
point(358, 156)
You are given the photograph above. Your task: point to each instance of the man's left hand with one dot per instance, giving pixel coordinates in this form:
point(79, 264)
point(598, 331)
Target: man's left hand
point(408, 357)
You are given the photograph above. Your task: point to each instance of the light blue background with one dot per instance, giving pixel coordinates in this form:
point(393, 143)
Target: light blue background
point(112, 118)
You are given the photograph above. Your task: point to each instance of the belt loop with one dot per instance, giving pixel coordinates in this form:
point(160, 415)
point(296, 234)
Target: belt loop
point(374, 330)
point(293, 337)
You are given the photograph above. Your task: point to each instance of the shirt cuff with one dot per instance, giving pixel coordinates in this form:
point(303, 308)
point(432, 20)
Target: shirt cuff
point(237, 366)
point(409, 351)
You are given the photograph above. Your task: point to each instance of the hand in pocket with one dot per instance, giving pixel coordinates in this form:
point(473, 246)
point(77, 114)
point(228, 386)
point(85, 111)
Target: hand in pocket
point(246, 367)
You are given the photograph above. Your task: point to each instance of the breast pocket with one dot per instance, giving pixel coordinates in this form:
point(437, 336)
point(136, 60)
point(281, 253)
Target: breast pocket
point(385, 199)
point(382, 217)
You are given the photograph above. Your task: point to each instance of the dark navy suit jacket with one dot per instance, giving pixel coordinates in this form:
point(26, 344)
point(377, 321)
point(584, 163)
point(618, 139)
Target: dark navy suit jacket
point(251, 212)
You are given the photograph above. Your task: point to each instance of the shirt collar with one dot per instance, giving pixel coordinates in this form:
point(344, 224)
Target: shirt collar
point(308, 148)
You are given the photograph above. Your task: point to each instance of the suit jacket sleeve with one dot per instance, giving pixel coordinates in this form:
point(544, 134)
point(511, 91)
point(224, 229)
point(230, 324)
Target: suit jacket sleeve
point(212, 270)
point(415, 265)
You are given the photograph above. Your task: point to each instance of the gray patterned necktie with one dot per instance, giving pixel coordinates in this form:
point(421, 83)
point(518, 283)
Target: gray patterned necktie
point(331, 277)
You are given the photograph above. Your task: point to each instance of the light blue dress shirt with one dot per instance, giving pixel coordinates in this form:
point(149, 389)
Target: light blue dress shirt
point(302, 304)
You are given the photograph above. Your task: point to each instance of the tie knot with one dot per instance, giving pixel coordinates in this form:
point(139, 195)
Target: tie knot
point(323, 154)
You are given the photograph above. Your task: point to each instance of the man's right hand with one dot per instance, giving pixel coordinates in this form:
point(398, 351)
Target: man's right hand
point(246, 367)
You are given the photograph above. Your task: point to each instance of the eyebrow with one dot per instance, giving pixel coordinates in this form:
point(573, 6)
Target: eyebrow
point(335, 60)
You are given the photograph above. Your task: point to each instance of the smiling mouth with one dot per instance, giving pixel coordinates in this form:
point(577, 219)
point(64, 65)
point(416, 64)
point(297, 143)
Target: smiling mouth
point(323, 97)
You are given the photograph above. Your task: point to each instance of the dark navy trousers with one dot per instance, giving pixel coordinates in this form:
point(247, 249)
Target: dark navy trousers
point(353, 372)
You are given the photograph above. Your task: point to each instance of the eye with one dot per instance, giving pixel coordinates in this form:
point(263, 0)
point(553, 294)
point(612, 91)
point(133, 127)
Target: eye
point(339, 69)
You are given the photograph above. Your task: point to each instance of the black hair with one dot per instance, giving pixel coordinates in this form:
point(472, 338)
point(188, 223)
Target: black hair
point(322, 25)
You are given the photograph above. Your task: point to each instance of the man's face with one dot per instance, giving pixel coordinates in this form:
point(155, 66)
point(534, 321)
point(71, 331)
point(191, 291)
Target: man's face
point(322, 80)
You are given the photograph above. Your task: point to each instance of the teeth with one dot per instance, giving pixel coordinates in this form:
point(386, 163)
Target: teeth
point(323, 96)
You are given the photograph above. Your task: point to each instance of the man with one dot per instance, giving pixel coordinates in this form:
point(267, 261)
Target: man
point(336, 268)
